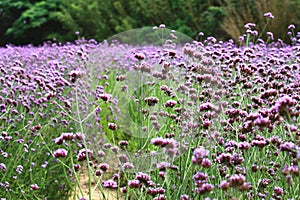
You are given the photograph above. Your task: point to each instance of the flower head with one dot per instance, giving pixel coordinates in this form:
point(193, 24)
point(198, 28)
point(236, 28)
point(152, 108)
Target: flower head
point(270, 35)
point(269, 15)
point(60, 153)
point(110, 184)
point(249, 25)
point(162, 26)
point(291, 26)
point(34, 187)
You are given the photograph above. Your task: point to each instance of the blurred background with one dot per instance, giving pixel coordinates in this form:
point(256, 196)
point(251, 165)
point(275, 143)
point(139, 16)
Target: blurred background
point(36, 21)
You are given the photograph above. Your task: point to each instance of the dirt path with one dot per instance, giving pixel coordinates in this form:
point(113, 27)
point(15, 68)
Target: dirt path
point(96, 195)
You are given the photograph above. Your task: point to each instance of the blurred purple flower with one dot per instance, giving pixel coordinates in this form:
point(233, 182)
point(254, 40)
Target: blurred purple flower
point(34, 187)
point(60, 153)
point(134, 184)
point(278, 191)
point(162, 26)
point(270, 35)
point(110, 184)
point(269, 15)
point(249, 25)
point(19, 169)
point(199, 154)
point(291, 26)
point(3, 167)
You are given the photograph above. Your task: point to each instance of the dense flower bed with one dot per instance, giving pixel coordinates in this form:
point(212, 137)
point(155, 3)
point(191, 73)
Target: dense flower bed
point(207, 119)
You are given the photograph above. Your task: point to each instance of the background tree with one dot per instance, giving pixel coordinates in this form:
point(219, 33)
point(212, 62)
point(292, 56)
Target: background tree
point(101, 19)
point(34, 21)
point(29, 21)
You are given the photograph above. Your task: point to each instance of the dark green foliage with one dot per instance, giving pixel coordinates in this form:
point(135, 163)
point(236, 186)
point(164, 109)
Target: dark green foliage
point(211, 19)
point(29, 21)
point(101, 19)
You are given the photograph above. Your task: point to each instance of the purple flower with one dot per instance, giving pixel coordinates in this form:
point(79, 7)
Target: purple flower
point(287, 146)
point(159, 141)
point(75, 74)
point(112, 126)
point(60, 153)
point(19, 169)
point(123, 190)
point(83, 153)
point(201, 34)
point(123, 143)
point(104, 166)
point(160, 197)
point(278, 191)
point(143, 177)
point(270, 35)
point(236, 180)
point(170, 103)
point(224, 185)
point(205, 188)
point(162, 26)
point(207, 106)
point(206, 163)
point(151, 101)
point(67, 136)
point(163, 166)
point(34, 187)
point(59, 140)
point(101, 153)
point(152, 191)
point(283, 105)
point(44, 165)
point(98, 172)
point(110, 184)
point(269, 15)
point(128, 165)
point(2, 108)
point(200, 176)
point(139, 56)
point(123, 158)
point(255, 33)
point(105, 97)
point(115, 149)
point(3, 167)
point(249, 25)
point(291, 26)
point(244, 145)
point(79, 136)
point(262, 122)
point(134, 184)
point(199, 154)
point(184, 197)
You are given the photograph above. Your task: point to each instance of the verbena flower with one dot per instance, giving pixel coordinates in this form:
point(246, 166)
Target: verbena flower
point(270, 35)
point(134, 184)
point(60, 153)
point(199, 154)
point(291, 26)
point(162, 26)
point(110, 184)
point(103, 166)
point(3, 167)
point(34, 187)
point(269, 15)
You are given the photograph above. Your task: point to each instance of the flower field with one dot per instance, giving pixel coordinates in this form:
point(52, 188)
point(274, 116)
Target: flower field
point(166, 118)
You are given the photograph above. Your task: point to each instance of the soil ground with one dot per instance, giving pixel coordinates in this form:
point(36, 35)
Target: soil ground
point(108, 194)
